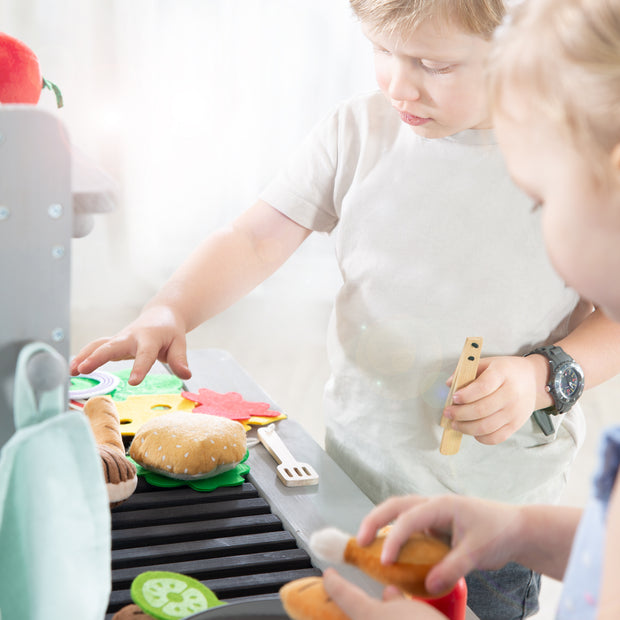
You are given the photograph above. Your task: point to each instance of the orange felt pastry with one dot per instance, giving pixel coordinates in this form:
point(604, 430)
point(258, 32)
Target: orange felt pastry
point(306, 599)
point(416, 558)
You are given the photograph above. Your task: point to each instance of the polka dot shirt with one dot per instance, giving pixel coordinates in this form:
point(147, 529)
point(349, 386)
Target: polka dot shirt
point(579, 600)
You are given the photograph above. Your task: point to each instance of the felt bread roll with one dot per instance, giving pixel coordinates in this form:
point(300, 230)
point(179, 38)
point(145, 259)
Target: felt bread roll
point(416, 558)
point(189, 446)
point(131, 612)
point(105, 423)
point(306, 599)
point(120, 474)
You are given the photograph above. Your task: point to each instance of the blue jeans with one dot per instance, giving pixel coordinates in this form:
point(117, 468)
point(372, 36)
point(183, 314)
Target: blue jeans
point(510, 593)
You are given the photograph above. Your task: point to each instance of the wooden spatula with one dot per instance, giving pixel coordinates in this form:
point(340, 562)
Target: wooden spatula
point(464, 374)
point(292, 473)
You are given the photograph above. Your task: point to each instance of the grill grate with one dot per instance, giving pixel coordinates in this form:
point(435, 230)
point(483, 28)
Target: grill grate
point(228, 539)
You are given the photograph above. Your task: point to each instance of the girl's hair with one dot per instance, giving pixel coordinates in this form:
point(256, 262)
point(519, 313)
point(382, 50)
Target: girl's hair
point(564, 57)
point(398, 17)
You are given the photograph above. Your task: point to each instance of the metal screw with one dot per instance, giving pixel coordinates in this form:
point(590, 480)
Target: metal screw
point(58, 334)
point(55, 211)
point(4, 213)
point(58, 251)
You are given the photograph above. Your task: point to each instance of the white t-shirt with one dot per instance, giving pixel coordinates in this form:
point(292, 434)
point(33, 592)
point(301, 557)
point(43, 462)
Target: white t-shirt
point(435, 244)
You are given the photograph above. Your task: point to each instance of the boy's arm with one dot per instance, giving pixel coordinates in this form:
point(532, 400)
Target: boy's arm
point(508, 389)
point(224, 268)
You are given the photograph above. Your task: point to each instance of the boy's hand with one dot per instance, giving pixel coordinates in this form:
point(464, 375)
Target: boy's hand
point(501, 399)
point(485, 535)
point(359, 606)
point(157, 334)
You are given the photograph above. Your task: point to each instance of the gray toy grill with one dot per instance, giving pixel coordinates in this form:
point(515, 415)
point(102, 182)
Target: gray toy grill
point(228, 539)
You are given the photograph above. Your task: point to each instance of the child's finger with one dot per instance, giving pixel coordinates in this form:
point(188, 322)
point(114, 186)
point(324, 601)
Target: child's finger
point(382, 514)
point(485, 383)
point(145, 358)
point(105, 352)
point(434, 515)
point(84, 354)
point(444, 575)
point(177, 359)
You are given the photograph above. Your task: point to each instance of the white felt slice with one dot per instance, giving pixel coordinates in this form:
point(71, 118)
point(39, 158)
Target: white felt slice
point(329, 544)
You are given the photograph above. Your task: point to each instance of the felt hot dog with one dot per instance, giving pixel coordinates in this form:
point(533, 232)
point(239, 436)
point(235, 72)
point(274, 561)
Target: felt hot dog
point(120, 473)
point(416, 558)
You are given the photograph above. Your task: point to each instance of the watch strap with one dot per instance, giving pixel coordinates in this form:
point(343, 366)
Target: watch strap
point(556, 356)
point(543, 419)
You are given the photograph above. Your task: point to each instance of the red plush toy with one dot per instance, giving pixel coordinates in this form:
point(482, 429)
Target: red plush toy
point(20, 75)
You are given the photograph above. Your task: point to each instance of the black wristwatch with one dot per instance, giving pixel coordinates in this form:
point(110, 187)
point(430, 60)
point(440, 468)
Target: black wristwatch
point(565, 379)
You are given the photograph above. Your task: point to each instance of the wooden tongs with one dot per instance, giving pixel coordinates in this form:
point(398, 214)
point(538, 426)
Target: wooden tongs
point(464, 374)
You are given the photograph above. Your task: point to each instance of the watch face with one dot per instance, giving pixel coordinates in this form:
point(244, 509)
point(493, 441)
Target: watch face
point(569, 382)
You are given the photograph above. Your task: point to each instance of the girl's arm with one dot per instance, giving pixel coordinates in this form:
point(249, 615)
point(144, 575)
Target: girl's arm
point(609, 608)
point(224, 268)
point(485, 535)
point(545, 538)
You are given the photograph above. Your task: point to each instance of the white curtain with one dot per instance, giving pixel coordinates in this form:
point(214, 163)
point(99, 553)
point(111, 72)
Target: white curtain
point(191, 106)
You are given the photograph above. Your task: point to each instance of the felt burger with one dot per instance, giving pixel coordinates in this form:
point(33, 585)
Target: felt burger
point(306, 598)
point(189, 446)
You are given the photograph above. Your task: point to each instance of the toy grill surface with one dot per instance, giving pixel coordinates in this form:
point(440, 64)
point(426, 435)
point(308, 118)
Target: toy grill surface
point(242, 542)
point(228, 539)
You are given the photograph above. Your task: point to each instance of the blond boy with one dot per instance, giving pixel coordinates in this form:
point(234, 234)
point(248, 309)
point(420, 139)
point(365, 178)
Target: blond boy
point(565, 152)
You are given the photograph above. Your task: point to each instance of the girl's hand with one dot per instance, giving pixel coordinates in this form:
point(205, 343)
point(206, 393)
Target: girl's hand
point(501, 399)
point(485, 535)
point(359, 606)
point(157, 334)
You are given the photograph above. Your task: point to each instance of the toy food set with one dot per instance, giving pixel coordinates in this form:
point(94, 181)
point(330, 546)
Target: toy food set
point(159, 394)
point(306, 599)
point(200, 437)
point(120, 473)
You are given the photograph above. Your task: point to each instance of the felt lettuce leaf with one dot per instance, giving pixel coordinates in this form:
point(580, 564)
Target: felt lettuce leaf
point(151, 384)
point(232, 478)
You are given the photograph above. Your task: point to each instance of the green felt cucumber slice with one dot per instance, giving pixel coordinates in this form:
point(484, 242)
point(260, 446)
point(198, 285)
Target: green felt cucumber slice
point(169, 596)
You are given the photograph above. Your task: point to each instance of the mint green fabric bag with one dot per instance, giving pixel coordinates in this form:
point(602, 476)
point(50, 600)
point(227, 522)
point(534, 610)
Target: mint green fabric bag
point(54, 511)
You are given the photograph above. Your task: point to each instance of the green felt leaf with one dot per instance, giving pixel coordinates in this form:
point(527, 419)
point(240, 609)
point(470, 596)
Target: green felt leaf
point(168, 596)
point(152, 384)
point(231, 478)
point(82, 383)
